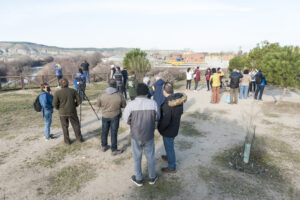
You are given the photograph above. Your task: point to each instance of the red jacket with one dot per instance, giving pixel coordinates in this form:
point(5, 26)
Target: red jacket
point(197, 72)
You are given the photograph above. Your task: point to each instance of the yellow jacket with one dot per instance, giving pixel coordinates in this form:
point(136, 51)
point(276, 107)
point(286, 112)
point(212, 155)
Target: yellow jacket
point(215, 78)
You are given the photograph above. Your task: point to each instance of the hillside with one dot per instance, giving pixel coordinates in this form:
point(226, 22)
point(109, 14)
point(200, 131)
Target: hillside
point(17, 49)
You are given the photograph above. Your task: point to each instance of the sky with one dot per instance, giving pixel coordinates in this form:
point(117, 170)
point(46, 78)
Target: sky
point(199, 25)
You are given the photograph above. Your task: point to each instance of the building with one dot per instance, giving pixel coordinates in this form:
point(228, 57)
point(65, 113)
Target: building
point(194, 58)
point(174, 57)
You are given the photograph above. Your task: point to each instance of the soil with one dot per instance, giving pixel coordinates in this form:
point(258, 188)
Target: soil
point(220, 126)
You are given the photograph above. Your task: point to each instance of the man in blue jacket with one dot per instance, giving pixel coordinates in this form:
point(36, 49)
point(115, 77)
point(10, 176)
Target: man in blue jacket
point(260, 81)
point(46, 99)
point(58, 72)
point(157, 91)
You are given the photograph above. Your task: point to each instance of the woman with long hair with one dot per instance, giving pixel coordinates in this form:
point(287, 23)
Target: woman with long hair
point(189, 77)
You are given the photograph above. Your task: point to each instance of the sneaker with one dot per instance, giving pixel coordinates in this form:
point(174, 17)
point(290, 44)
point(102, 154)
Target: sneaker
point(164, 157)
point(105, 148)
point(153, 180)
point(138, 183)
point(116, 152)
point(168, 170)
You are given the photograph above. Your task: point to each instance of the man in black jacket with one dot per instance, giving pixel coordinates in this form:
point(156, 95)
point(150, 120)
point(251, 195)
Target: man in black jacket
point(85, 67)
point(235, 77)
point(171, 111)
point(125, 78)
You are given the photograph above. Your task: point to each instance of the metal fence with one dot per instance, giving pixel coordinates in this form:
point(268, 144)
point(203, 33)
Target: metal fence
point(29, 81)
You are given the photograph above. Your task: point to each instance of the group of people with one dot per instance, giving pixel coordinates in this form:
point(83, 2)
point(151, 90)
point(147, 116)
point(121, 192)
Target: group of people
point(143, 114)
point(240, 83)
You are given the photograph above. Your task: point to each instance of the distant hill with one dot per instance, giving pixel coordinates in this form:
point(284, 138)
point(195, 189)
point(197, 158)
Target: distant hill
point(16, 49)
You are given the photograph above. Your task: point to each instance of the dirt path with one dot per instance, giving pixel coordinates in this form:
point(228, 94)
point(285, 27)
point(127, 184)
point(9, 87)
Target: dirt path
point(30, 166)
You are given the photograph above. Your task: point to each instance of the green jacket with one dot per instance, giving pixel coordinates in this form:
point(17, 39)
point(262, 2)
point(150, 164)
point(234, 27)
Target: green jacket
point(65, 101)
point(131, 85)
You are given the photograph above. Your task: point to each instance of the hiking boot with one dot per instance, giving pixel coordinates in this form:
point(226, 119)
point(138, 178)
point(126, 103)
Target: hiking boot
point(116, 152)
point(81, 140)
point(164, 157)
point(136, 182)
point(105, 148)
point(153, 180)
point(168, 170)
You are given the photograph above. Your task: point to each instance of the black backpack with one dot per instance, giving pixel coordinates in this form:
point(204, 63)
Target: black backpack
point(37, 105)
point(258, 78)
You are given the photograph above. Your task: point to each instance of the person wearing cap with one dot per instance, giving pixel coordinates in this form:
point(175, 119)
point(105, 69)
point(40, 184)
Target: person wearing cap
point(142, 114)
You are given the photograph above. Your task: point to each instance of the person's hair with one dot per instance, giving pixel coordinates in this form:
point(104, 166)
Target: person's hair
point(64, 83)
point(43, 86)
point(157, 78)
point(259, 70)
point(198, 67)
point(168, 88)
point(118, 68)
point(132, 73)
point(246, 71)
point(213, 70)
point(80, 71)
point(188, 69)
point(142, 89)
point(146, 80)
point(218, 68)
point(112, 83)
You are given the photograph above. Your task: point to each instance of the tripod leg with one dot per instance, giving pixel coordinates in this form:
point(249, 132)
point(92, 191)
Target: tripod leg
point(91, 105)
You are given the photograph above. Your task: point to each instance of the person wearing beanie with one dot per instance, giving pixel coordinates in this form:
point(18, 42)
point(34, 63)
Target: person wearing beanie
point(142, 114)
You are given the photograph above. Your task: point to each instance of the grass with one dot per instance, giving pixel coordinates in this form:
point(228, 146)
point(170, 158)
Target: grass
point(93, 90)
point(32, 138)
point(3, 156)
point(11, 137)
point(272, 115)
point(222, 112)
point(228, 186)
point(121, 160)
point(265, 165)
point(122, 130)
point(70, 179)
point(164, 188)
point(283, 107)
point(201, 116)
point(58, 153)
point(183, 145)
point(187, 129)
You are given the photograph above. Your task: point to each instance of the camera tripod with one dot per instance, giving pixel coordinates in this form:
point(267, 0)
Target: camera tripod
point(83, 97)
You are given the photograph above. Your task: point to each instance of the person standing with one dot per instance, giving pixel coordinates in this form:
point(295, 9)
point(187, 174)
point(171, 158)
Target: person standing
point(189, 77)
point(157, 92)
point(207, 77)
point(119, 80)
point(65, 101)
point(58, 72)
point(196, 77)
point(111, 102)
point(85, 68)
point(169, 124)
point(80, 80)
point(252, 83)
point(112, 71)
point(46, 99)
point(125, 78)
point(219, 71)
point(142, 114)
point(215, 79)
point(261, 82)
point(235, 77)
point(244, 85)
point(132, 85)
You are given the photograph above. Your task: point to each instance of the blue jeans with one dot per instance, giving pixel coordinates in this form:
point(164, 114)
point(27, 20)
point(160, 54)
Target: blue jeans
point(260, 90)
point(113, 125)
point(47, 114)
point(87, 75)
point(244, 91)
point(137, 153)
point(170, 151)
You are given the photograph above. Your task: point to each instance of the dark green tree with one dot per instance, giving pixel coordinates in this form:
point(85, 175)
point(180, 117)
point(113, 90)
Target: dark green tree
point(136, 60)
point(238, 62)
point(282, 67)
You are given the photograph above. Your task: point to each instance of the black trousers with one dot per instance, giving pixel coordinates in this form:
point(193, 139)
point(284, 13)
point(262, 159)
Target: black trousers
point(252, 86)
point(188, 84)
point(207, 82)
point(64, 120)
